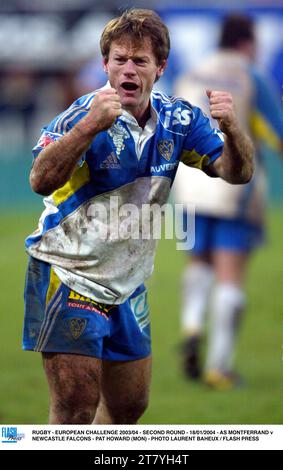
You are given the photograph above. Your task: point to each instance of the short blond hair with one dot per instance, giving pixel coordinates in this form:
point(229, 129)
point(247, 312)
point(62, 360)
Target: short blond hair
point(138, 24)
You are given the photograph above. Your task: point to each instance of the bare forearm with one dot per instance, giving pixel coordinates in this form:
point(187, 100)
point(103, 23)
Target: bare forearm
point(56, 163)
point(236, 164)
point(237, 160)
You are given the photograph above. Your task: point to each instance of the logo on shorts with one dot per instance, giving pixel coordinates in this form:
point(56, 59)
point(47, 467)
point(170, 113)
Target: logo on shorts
point(76, 300)
point(77, 326)
point(165, 148)
point(140, 309)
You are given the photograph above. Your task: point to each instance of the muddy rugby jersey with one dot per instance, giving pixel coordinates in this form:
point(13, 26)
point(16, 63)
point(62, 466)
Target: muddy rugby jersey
point(124, 165)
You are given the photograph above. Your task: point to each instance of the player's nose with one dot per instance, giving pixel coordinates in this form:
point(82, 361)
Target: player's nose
point(129, 68)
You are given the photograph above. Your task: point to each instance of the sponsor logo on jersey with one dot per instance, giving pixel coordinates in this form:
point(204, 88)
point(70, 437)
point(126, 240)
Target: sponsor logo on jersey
point(77, 326)
point(111, 162)
point(176, 119)
point(118, 133)
point(164, 167)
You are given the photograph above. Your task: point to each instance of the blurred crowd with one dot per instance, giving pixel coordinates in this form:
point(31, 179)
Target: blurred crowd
point(49, 59)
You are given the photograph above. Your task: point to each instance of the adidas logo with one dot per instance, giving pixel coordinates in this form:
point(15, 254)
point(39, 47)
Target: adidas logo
point(110, 162)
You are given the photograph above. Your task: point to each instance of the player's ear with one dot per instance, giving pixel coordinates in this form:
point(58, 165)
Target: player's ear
point(161, 68)
point(105, 64)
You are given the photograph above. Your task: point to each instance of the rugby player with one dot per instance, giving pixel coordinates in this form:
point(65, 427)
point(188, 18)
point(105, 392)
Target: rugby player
point(86, 307)
point(229, 219)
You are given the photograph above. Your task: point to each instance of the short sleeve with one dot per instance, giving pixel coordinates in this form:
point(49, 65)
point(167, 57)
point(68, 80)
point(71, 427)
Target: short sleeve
point(203, 144)
point(62, 124)
point(45, 139)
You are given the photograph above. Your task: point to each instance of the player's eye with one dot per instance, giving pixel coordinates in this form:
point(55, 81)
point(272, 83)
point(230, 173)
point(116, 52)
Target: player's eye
point(120, 60)
point(140, 61)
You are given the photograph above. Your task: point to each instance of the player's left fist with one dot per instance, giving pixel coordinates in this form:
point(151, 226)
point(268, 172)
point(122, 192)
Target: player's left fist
point(222, 108)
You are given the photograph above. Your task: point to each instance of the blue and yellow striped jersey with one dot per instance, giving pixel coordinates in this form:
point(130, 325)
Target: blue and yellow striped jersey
point(125, 165)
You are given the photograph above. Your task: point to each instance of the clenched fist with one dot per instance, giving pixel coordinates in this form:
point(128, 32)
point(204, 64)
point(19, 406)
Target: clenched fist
point(105, 108)
point(222, 108)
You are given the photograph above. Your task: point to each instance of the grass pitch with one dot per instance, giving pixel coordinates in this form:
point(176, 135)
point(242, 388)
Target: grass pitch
point(174, 400)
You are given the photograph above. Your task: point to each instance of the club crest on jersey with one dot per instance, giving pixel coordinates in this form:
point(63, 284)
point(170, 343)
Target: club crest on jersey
point(166, 148)
point(77, 326)
point(118, 133)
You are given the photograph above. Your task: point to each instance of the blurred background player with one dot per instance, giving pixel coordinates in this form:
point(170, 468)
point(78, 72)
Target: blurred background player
point(229, 219)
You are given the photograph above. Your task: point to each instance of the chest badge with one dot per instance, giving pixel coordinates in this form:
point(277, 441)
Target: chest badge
point(118, 133)
point(166, 148)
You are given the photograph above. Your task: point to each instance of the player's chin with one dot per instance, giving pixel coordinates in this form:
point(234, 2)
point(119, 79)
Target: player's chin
point(130, 96)
point(129, 101)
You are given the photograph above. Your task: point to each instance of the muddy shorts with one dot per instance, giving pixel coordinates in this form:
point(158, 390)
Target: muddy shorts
point(58, 319)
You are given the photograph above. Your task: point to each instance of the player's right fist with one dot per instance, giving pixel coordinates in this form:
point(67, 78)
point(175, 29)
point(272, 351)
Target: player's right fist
point(105, 108)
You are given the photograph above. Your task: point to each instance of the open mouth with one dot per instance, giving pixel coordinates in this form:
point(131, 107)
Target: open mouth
point(129, 86)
